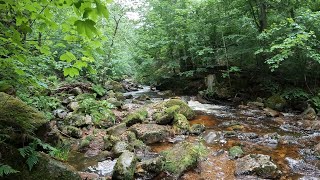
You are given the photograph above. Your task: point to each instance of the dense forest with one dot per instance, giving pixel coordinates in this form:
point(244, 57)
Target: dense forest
point(71, 72)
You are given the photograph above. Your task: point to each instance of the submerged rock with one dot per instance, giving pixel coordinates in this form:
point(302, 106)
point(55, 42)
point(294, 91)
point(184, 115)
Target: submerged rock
point(104, 168)
point(150, 133)
point(257, 164)
point(125, 166)
point(182, 156)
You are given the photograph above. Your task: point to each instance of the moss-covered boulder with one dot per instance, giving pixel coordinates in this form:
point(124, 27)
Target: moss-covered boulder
point(46, 168)
point(150, 133)
point(115, 102)
point(235, 152)
point(119, 148)
point(115, 86)
point(125, 166)
point(181, 124)
point(136, 117)
point(18, 116)
point(166, 116)
point(184, 108)
point(276, 102)
point(110, 141)
point(182, 157)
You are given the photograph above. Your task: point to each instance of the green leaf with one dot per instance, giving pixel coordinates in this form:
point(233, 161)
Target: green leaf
point(101, 9)
point(68, 56)
point(19, 71)
point(86, 27)
point(70, 72)
point(80, 64)
point(6, 169)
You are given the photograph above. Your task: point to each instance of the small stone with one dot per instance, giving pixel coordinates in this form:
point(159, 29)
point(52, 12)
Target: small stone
point(271, 113)
point(76, 91)
point(235, 152)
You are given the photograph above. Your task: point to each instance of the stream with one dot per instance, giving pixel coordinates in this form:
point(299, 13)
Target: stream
point(281, 138)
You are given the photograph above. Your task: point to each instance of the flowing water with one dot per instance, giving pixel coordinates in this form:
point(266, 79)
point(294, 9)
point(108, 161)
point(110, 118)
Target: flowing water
point(289, 147)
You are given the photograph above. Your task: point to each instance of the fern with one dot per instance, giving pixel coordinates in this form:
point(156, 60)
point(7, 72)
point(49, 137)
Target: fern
point(6, 169)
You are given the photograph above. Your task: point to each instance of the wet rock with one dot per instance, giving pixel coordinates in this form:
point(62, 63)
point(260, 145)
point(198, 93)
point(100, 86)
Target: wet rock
point(88, 176)
point(181, 124)
point(271, 113)
point(119, 148)
point(73, 106)
point(177, 139)
point(114, 85)
point(182, 156)
point(249, 178)
point(76, 91)
point(143, 98)
point(257, 164)
point(150, 133)
point(130, 96)
point(301, 167)
point(136, 117)
point(309, 125)
point(117, 129)
point(235, 152)
point(125, 166)
point(255, 104)
point(60, 113)
point(153, 165)
point(248, 136)
point(72, 131)
point(119, 96)
point(197, 129)
point(184, 108)
point(213, 137)
point(166, 93)
point(276, 102)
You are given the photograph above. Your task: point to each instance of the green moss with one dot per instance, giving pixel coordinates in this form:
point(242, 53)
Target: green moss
point(136, 117)
point(182, 157)
point(181, 124)
point(18, 115)
point(184, 108)
point(84, 143)
point(235, 151)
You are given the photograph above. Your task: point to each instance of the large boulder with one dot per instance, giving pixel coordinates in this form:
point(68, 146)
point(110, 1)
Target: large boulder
point(119, 148)
point(46, 167)
point(125, 166)
point(182, 156)
point(257, 164)
point(18, 116)
point(115, 86)
point(166, 116)
point(150, 133)
point(78, 120)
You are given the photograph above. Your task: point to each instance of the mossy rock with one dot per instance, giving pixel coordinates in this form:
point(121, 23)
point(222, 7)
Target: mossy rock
point(197, 129)
point(166, 116)
point(276, 102)
point(18, 116)
point(72, 131)
point(235, 152)
point(125, 166)
point(47, 168)
point(136, 117)
point(184, 108)
point(181, 124)
point(182, 157)
point(150, 133)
